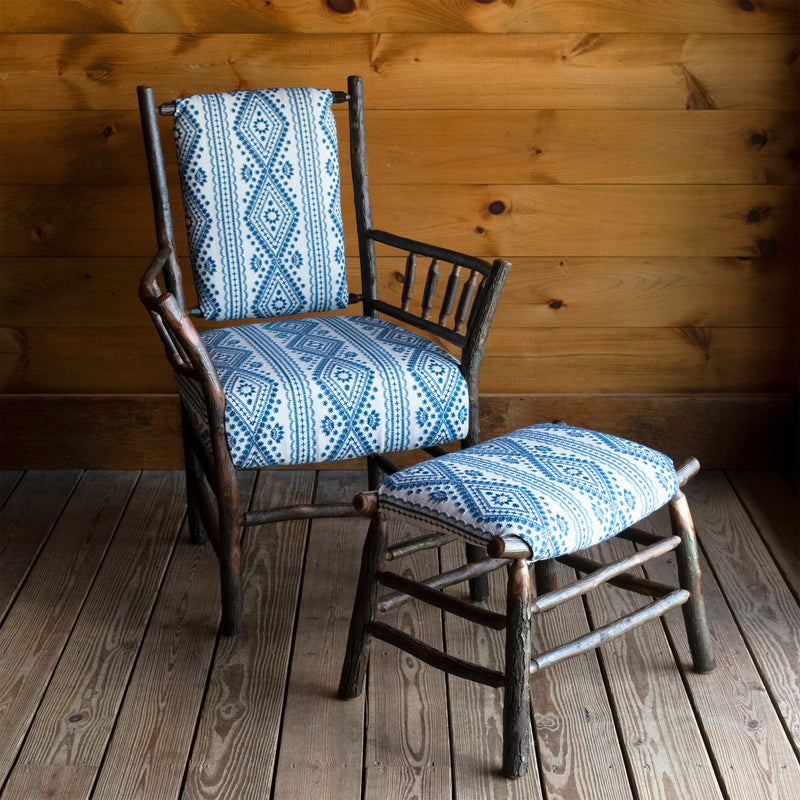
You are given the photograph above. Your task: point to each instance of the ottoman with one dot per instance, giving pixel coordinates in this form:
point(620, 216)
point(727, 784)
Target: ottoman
point(531, 497)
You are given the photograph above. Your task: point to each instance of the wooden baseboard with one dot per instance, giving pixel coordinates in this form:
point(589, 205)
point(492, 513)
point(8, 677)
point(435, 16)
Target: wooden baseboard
point(142, 431)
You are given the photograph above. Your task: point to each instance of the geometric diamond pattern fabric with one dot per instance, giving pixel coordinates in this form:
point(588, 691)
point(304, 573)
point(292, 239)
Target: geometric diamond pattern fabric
point(559, 488)
point(329, 388)
point(260, 178)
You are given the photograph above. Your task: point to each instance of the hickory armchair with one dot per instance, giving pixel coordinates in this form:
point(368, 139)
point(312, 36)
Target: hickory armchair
point(259, 175)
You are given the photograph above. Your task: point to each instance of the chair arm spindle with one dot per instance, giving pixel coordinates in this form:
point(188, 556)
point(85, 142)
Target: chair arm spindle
point(450, 294)
point(430, 289)
point(465, 301)
point(408, 280)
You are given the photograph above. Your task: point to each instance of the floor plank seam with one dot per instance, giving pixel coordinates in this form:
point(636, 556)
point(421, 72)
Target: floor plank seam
point(682, 670)
point(201, 708)
point(447, 694)
point(135, 664)
point(42, 545)
point(612, 703)
point(751, 651)
point(751, 516)
point(12, 489)
point(293, 639)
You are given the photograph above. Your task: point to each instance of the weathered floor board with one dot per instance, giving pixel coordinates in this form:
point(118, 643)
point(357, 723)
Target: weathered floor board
point(114, 682)
point(70, 733)
point(407, 742)
point(322, 738)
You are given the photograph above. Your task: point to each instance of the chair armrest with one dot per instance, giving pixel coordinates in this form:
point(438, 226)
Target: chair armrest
point(477, 297)
point(185, 349)
point(149, 290)
point(431, 251)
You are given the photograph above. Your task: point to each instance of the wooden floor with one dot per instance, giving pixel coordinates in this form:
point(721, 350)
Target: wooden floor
point(115, 684)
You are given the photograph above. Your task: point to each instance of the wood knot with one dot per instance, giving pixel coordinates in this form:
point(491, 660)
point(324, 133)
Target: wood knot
point(747, 5)
point(342, 6)
point(757, 140)
point(699, 98)
point(584, 44)
point(757, 214)
point(98, 72)
point(767, 247)
point(497, 207)
point(109, 131)
point(556, 304)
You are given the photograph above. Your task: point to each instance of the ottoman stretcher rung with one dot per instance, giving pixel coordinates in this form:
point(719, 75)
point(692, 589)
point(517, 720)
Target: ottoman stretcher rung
point(598, 636)
point(537, 495)
point(603, 574)
point(444, 579)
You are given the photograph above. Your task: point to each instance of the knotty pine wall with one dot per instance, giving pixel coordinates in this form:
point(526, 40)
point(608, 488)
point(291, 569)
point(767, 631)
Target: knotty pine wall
point(637, 162)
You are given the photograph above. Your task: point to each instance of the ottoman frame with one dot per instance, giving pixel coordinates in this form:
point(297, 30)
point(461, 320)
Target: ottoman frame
point(514, 554)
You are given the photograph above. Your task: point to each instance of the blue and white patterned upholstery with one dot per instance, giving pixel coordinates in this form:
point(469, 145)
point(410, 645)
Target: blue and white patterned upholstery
point(328, 388)
point(260, 178)
point(559, 488)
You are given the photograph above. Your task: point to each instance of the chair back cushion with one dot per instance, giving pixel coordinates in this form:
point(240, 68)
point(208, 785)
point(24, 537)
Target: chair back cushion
point(260, 178)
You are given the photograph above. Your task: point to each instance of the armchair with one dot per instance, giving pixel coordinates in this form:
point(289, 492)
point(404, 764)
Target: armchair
point(260, 182)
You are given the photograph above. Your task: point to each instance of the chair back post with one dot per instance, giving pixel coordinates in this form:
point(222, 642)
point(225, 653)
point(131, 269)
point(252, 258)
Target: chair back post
point(159, 190)
point(480, 321)
point(358, 167)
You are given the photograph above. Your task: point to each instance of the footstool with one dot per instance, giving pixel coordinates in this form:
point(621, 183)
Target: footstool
point(536, 495)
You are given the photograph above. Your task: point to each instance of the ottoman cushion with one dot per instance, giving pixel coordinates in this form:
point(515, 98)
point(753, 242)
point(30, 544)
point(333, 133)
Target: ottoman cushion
point(559, 488)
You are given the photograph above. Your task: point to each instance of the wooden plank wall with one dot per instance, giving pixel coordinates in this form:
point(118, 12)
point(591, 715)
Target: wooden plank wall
point(637, 162)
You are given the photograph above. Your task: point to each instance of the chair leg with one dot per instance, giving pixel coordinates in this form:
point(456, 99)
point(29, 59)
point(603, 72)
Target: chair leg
point(516, 702)
point(478, 587)
point(375, 474)
point(694, 610)
point(229, 551)
point(194, 484)
point(545, 575)
point(359, 639)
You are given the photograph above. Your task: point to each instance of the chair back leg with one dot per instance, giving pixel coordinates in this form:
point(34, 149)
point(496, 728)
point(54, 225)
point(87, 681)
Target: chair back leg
point(517, 699)
point(694, 610)
point(479, 586)
point(194, 485)
point(359, 639)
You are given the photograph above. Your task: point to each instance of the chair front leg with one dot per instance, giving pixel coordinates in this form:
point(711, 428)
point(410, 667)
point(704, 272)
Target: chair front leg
point(230, 567)
point(359, 639)
point(694, 610)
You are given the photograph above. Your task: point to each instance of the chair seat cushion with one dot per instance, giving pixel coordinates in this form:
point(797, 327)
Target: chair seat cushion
point(559, 488)
point(325, 389)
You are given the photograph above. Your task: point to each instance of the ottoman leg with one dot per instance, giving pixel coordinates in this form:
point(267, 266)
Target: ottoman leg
point(516, 702)
point(478, 587)
point(356, 658)
point(694, 610)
